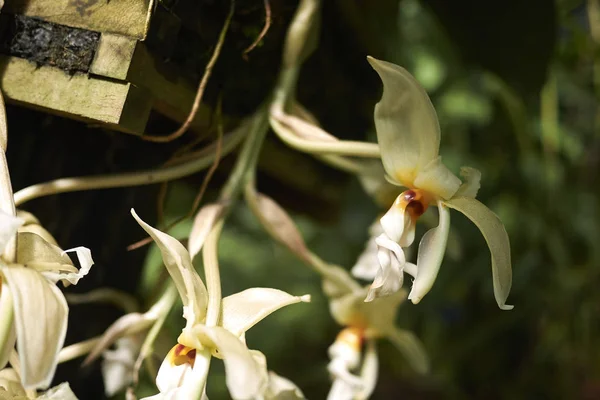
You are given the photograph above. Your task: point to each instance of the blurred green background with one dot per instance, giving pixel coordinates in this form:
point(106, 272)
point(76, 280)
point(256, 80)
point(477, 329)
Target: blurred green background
point(516, 86)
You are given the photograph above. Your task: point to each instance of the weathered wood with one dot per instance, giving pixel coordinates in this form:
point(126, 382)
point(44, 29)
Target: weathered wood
point(125, 17)
point(121, 105)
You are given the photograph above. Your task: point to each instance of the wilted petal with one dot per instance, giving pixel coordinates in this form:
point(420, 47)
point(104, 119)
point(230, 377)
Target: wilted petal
point(277, 222)
point(41, 323)
point(496, 237)
point(436, 178)
point(471, 182)
point(244, 375)
point(431, 255)
point(32, 225)
point(60, 392)
point(179, 264)
point(408, 131)
point(243, 310)
point(411, 348)
point(369, 371)
point(203, 224)
point(8, 228)
point(8, 334)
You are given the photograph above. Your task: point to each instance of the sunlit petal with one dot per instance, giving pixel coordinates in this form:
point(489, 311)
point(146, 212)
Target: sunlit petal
point(241, 311)
point(411, 348)
point(179, 264)
point(431, 255)
point(496, 237)
point(41, 323)
point(245, 377)
point(408, 131)
point(437, 179)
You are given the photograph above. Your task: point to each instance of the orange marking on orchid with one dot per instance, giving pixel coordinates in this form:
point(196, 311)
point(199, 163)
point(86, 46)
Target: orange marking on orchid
point(414, 201)
point(353, 337)
point(181, 354)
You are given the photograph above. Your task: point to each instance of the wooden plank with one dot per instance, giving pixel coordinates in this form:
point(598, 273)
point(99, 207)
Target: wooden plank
point(121, 105)
point(114, 56)
point(124, 17)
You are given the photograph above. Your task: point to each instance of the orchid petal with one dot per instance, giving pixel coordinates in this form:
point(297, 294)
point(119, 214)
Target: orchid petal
point(203, 224)
point(471, 184)
point(407, 126)
point(8, 334)
point(179, 264)
point(126, 325)
point(11, 383)
point(49, 260)
point(367, 265)
point(32, 225)
point(431, 255)
point(369, 371)
point(41, 324)
point(60, 392)
point(118, 365)
point(9, 226)
point(436, 178)
point(390, 276)
point(243, 310)
point(497, 240)
point(398, 225)
point(171, 376)
point(245, 377)
point(411, 348)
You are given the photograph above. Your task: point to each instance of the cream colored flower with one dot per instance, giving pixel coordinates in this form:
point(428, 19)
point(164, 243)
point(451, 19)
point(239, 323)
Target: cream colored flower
point(37, 322)
point(187, 364)
point(408, 133)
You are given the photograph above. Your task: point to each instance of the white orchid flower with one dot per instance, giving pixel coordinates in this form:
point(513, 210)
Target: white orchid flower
point(354, 370)
point(408, 133)
point(34, 310)
point(185, 364)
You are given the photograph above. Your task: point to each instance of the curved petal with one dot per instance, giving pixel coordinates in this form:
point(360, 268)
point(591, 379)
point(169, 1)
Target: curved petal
point(431, 255)
point(436, 178)
point(471, 184)
point(41, 324)
point(281, 388)
point(369, 371)
point(179, 264)
point(390, 275)
point(33, 251)
point(8, 334)
point(398, 225)
point(203, 224)
point(408, 131)
point(245, 377)
point(496, 237)
point(243, 310)
point(411, 348)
